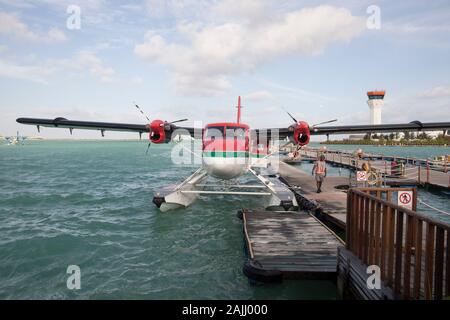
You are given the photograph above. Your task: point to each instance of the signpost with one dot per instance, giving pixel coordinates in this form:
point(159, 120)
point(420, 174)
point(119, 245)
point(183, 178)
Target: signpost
point(405, 199)
point(361, 176)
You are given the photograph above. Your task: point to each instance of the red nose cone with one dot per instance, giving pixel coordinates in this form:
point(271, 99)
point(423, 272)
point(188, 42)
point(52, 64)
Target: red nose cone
point(301, 133)
point(157, 134)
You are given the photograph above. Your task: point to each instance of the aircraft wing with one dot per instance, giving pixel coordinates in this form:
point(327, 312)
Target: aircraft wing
point(282, 133)
point(60, 122)
point(90, 125)
point(399, 127)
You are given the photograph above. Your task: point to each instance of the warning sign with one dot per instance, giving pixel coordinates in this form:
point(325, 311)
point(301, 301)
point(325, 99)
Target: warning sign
point(405, 199)
point(361, 176)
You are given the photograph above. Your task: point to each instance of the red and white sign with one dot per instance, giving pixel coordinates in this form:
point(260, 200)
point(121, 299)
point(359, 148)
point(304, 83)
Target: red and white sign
point(361, 176)
point(405, 199)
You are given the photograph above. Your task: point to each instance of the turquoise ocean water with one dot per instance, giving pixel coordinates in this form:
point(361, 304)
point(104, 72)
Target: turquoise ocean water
point(88, 203)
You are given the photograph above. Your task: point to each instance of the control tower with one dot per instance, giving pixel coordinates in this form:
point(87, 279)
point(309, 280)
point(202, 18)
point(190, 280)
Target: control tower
point(375, 102)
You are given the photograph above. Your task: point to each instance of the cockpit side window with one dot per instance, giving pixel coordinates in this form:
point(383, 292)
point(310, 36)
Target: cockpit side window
point(214, 132)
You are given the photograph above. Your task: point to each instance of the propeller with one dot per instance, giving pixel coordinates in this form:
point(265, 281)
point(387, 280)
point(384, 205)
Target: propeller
point(315, 125)
point(329, 121)
point(140, 110)
point(148, 119)
point(290, 115)
point(181, 120)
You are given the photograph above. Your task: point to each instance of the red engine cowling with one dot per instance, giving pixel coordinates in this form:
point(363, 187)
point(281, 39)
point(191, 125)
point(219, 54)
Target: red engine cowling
point(301, 133)
point(157, 132)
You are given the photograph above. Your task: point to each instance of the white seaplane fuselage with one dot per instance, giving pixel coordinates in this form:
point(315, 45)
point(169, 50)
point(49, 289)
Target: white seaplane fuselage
point(227, 150)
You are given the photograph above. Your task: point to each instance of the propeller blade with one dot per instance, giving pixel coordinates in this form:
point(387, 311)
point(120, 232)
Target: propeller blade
point(148, 147)
point(181, 120)
point(290, 115)
point(329, 121)
point(140, 110)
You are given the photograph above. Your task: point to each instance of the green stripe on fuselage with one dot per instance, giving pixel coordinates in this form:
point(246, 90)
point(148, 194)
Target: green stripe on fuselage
point(231, 154)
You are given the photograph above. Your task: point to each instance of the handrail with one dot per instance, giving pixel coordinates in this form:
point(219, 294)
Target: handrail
point(411, 249)
point(409, 212)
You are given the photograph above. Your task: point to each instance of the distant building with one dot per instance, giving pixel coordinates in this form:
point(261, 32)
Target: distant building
point(375, 103)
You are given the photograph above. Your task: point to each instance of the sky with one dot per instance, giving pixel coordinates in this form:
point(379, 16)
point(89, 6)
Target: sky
point(90, 60)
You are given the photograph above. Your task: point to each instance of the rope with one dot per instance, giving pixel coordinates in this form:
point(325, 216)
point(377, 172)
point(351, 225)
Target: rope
point(431, 207)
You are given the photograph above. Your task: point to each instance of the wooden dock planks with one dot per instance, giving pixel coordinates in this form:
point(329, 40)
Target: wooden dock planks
point(332, 202)
point(293, 243)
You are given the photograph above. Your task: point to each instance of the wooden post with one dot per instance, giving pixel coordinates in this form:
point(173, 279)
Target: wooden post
point(438, 264)
point(414, 203)
point(428, 172)
point(418, 173)
point(384, 242)
point(418, 259)
point(377, 234)
point(398, 253)
point(429, 253)
point(447, 264)
point(408, 254)
point(349, 220)
point(390, 260)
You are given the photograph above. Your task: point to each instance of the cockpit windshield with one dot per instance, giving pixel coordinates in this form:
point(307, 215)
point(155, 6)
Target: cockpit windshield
point(235, 132)
point(231, 132)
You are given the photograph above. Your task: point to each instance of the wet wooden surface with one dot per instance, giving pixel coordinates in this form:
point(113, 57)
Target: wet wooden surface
point(331, 201)
point(295, 243)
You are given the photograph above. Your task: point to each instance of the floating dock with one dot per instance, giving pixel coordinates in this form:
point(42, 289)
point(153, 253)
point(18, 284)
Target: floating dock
point(411, 250)
point(288, 245)
point(330, 205)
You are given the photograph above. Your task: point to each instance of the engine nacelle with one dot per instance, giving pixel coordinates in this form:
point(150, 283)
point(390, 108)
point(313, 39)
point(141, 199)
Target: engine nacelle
point(159, 132)
point(300, 133)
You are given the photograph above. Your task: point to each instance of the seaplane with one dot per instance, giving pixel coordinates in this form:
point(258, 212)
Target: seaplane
point(15, 140)
point(230, 150)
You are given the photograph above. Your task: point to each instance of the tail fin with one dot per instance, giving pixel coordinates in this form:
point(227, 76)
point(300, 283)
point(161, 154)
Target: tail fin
point(239, 110)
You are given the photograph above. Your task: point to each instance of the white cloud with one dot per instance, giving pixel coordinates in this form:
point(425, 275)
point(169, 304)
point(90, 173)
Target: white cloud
point(249, 10)
point(137, 80)
point(31, 73)
point(91, 62)
point(210, 53)
point(175, 8)
point(12, 26)
point(436, 92)
point(23, 4)
point(258, 96)
point(79, 64)
point(26, 4)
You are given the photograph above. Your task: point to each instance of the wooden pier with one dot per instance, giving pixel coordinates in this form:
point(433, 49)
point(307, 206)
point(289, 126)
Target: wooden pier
point(415, 171)
point(410, 249)
point(330, 205)
point(289, 245)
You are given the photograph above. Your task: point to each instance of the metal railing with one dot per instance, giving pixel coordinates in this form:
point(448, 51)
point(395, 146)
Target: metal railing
point(411, 249)
point(424, 171)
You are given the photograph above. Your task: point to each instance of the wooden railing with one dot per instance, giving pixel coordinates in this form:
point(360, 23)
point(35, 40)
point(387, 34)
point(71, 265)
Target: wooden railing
point(411, 249)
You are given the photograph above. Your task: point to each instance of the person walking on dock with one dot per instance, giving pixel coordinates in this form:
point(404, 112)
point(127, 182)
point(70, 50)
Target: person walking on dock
point(320, 172)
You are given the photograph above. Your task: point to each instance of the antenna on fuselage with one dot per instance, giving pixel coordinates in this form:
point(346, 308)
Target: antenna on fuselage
point(239, 110)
